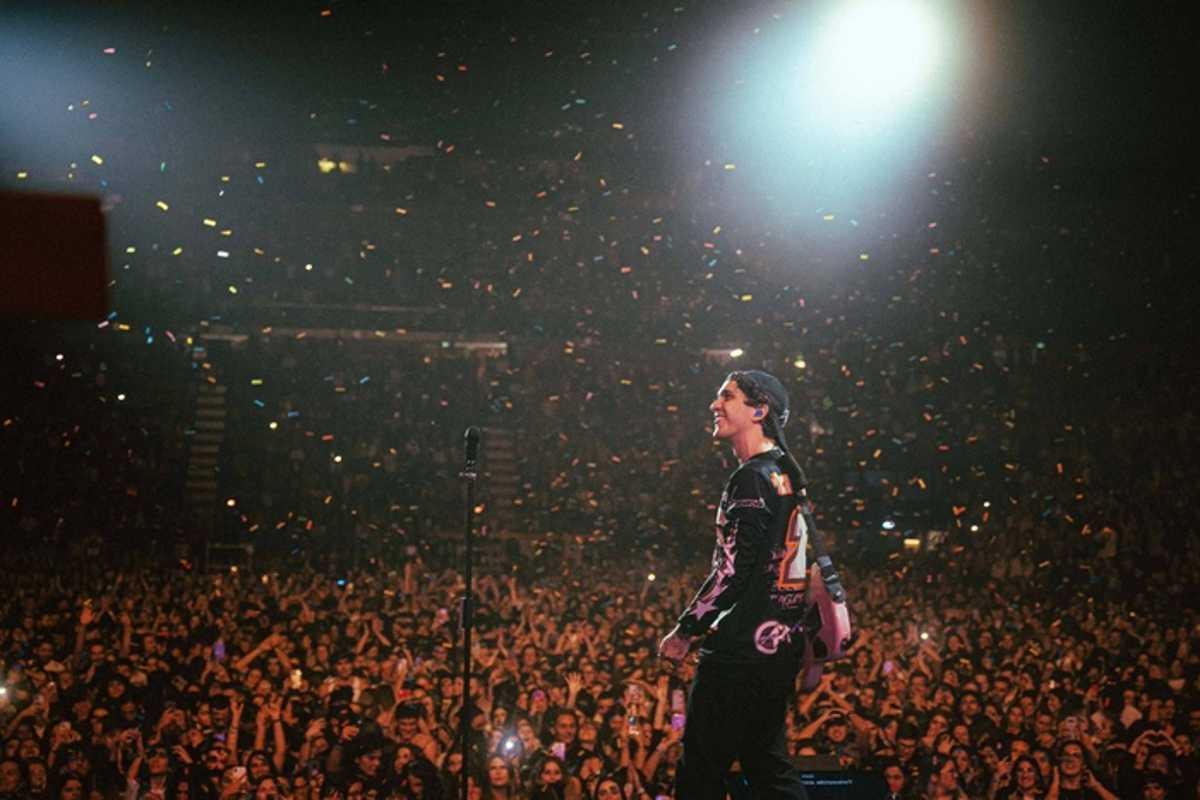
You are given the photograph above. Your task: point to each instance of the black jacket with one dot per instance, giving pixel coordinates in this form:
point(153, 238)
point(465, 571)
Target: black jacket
point(751, 607)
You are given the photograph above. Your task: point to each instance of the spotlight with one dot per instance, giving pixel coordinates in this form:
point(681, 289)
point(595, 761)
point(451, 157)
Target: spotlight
point(873, 56)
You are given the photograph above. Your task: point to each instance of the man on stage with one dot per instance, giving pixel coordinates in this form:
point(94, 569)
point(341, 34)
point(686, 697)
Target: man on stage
point(747, 613)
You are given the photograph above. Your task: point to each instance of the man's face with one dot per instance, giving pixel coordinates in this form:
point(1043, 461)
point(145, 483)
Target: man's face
point(1070, 764)
point(564, 728)
point(10, 776)
point(159, 761)
point(369, 762)
point(215, 758)
point(28, 750)
point(732, 414)
point(407, 727)
point(895, 779)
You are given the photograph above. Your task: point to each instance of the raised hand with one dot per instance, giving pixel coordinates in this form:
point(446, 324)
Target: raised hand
point(315, 729)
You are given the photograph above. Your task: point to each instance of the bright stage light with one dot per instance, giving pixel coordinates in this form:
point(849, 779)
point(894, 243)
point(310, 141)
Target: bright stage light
point(872, 57)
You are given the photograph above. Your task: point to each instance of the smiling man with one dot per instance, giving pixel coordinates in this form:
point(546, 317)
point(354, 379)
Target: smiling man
point(748, 610)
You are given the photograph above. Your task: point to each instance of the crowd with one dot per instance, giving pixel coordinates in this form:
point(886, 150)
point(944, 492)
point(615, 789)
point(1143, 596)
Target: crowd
point(1048, 652)
point(1038, 642)
point(1033, 639)
point(1056, 665)
point(993, 401)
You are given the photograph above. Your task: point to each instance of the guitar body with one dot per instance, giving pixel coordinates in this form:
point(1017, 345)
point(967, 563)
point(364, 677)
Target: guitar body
point(828, 634)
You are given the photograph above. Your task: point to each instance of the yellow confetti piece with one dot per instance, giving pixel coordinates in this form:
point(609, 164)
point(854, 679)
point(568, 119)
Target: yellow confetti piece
point(402, 211)
point(212, 223)
point(131, 249)
point(618, 126)
point(730, 167)
point(177, 251)
point(97, 160)
point(162, 205)
point(828, 217)
point(22, 175)
point(260, 165)
point(233, 289)
point(864, 257)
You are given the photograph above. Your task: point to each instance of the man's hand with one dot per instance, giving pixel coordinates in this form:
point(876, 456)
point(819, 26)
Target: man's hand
point(675, 645)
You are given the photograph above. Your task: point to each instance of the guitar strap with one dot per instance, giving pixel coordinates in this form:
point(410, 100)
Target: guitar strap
point(833, 581)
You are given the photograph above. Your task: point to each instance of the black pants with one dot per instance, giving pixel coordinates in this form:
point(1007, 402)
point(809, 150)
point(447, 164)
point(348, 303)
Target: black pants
point(738, 712)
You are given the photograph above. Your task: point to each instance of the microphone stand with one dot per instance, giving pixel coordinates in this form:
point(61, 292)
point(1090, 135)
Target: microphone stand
point(465, 618)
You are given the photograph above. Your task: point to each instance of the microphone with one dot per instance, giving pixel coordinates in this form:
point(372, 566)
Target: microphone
point(472, 439)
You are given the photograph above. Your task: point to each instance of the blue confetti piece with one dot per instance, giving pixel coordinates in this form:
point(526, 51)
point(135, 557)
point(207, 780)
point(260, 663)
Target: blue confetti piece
point(293, 414)
point(364, 379)
point(260, 180)
point(112, 316)
point(260, 404)
point(149, 340)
